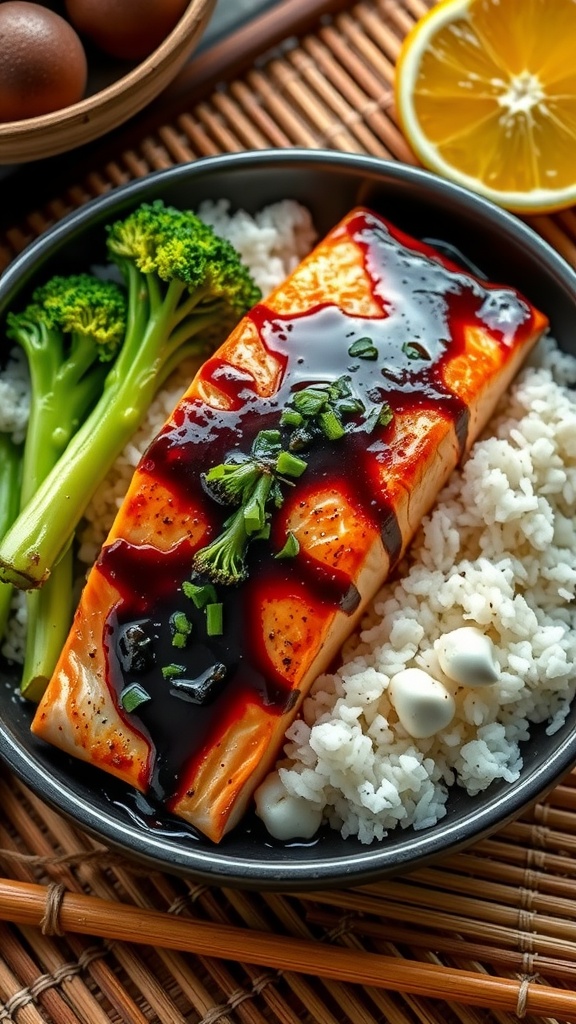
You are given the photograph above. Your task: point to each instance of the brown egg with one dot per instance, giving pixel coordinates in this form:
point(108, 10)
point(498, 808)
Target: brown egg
point(129, 29)
point(43, 66)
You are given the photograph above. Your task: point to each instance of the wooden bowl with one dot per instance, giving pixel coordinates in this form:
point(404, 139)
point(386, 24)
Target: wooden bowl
point(116, 91)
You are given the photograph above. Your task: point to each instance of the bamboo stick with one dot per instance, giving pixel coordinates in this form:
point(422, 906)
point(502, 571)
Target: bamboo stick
point(25, 903)
point(474, 947)
point(527, 858)
point(507, 936)
point(498, 891)
point(499, 869)
point(384, 899)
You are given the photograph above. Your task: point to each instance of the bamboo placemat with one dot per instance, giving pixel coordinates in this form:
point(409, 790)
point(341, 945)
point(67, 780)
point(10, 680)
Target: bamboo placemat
point(488, 934)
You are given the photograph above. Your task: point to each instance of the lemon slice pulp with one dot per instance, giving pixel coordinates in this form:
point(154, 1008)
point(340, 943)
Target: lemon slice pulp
point(486, 96)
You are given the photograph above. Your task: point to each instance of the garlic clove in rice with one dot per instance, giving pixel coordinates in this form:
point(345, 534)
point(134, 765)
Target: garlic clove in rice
point(424, 706)
point(285, 816)
point(467, 656)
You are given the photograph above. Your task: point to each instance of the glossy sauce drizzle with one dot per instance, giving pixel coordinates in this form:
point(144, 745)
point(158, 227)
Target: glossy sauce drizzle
point(425, 305)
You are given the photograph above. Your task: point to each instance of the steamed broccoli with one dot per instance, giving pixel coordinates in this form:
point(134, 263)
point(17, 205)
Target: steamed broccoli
point(69, 333)
point(254, 484)
point(186, 289)
point(10, 475)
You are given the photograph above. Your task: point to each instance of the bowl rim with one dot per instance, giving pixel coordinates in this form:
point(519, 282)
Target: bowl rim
point(216, 865)
point(372, 166)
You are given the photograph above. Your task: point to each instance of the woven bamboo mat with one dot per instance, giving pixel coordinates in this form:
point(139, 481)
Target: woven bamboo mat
point(488, 934)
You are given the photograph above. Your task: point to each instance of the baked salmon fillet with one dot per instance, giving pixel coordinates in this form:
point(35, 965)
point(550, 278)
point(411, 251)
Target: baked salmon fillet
point(271, 507)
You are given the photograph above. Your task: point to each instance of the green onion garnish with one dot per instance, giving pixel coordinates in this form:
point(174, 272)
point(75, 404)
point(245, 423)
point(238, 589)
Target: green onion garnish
point(291, 418)
point(133, 696)
point(214, 619)
point(172, 670)
point(291, 547)
point(363, 348)
point(386, 415)
point(331, 425)
point(309, 402)
point(414, 350)
point(290, 465)
point(199, 594)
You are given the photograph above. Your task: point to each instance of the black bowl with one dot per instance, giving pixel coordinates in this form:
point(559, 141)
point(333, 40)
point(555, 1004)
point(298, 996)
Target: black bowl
point(329, 184)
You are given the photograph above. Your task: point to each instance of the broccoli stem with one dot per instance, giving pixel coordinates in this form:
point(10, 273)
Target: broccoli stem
point(63, 390)
point(62, 394)
point(65, 393)
point(10, 477)
point(49, 613)
point(254, 506)
point(6, 591)
point(72, 327)
point(48, 521)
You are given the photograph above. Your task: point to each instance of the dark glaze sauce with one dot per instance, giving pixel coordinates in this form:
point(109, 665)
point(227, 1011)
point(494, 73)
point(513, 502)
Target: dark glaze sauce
point(425, 304)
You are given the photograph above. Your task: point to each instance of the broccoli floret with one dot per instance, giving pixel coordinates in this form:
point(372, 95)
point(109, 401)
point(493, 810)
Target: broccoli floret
point(254, 484)
point(186, 289)
point(69, 333)
point(223, 561)
point(229, 482)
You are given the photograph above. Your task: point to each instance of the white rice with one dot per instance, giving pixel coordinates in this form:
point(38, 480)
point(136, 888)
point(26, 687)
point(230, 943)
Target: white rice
point(271, 243)
point(498, 551)
point(15, 396)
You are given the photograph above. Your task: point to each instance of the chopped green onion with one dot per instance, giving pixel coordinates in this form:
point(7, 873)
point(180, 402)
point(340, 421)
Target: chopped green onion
point(181, 623)
point(266, 443)
point(379, 416)
point(133, 696)
point(291, 418)
point(172, 670)
point(340, 388)
point(351, 406)
point(291, 547)
point(363, 348)
point(301, 438)
point(414, 350)
point(200, 594)
point(214, 619)
point(290, 465)
point(309, 402)
point(386, 415)
point(255, 483)
point(331, 425)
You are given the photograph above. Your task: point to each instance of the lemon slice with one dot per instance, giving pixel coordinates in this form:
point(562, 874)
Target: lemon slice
point(486, 96)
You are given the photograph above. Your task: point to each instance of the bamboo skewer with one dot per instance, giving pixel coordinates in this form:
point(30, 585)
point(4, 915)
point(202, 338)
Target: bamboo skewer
point(476, 946)
point(25, 903)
